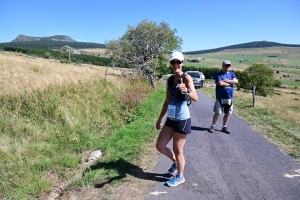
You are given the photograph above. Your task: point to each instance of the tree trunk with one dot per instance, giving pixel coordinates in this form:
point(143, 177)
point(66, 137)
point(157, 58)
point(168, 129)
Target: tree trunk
point(153, 81)
point(150, 76)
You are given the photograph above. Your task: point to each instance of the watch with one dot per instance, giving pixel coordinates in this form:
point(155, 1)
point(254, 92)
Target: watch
point(187, 93)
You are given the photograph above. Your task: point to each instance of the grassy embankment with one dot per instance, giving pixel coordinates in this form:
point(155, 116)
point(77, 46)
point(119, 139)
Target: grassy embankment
point(53, 114)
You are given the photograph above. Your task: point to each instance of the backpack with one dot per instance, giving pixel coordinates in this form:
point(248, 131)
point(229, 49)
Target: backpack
point(180, 96)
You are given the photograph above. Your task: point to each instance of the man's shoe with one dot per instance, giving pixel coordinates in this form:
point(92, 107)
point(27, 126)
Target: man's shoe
point(175, 180)
point(212, 129)
point(224, 130)
point(173, 169)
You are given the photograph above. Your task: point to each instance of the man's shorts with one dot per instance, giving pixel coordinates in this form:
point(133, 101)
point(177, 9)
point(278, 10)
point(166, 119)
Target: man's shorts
point(181, 126)
point(227, 109)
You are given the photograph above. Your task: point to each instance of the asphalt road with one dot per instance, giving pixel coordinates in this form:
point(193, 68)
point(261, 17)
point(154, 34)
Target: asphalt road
point(240, 165)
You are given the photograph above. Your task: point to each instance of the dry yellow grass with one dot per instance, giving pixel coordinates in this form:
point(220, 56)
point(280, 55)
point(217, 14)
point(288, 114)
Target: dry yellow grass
point(95, 51)
point(20, 72)
point(259, 51)
point(283, 106)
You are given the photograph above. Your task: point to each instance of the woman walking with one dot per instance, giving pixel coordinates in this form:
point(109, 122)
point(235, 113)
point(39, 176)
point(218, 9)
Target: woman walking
point(180, 87)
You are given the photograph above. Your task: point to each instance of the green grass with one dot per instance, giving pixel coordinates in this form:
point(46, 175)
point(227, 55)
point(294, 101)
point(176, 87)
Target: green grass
point(125, 144)
point(290, 83)
point(198, 64)
point(47, 131)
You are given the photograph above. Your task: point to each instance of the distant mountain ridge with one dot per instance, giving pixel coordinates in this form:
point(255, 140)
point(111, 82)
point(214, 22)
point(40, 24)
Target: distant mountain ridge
point(52, 42)
point(255, 44)
point(58, 41)
point(24, 38)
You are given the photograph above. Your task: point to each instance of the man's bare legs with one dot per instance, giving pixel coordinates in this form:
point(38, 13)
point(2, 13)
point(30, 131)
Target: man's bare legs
point(225, 119)
point(215, 119)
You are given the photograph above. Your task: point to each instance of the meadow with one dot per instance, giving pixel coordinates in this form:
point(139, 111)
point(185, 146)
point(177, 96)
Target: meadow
point(285, 60)
point(95, 51)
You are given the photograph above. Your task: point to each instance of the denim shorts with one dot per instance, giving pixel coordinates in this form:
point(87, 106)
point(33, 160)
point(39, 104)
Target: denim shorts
point(181, 126)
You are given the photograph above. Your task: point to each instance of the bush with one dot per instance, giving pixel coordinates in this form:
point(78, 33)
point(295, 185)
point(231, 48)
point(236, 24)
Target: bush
point(260, 76)
point(64, 61)
point(277, 83)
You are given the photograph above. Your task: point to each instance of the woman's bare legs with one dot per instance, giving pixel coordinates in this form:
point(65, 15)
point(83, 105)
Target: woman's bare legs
point(178, 144)
point(163, 139)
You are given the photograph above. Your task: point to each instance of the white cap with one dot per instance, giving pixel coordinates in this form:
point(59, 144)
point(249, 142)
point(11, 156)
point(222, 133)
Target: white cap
point(176, 55)
point(226, 62)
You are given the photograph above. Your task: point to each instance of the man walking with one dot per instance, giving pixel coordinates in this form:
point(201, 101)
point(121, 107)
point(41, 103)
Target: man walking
point(224, 95)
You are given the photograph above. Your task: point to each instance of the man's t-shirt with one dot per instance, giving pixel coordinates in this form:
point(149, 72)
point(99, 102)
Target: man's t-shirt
point(224, 92)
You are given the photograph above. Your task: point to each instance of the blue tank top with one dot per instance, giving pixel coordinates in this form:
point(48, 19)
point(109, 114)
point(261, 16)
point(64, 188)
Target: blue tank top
point(182, 111)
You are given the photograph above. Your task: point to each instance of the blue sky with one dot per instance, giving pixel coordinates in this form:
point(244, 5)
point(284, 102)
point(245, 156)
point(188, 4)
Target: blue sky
point(201, 24)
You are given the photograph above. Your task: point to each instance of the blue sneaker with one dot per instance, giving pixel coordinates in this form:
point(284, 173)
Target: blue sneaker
point(173, 169)
point(175, 180)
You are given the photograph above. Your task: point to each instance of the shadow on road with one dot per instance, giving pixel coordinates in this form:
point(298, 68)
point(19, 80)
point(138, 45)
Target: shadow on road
point(197, 128)
point(122, 167)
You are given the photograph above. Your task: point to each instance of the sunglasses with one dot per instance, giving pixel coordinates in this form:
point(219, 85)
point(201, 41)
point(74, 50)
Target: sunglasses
point(227, 65)
point(178, 62)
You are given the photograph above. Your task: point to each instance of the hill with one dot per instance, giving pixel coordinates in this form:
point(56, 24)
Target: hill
point(52, 42)
point(256, 44)
point(24, 38)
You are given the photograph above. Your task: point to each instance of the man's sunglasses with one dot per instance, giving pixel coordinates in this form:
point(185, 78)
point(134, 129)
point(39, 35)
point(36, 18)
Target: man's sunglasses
point(178, 62)
point(227, 65)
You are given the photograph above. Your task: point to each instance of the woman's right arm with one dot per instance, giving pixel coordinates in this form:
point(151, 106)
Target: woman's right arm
point(164, 108)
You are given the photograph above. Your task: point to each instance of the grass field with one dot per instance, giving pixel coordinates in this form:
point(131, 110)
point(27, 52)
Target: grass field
point(20, 72)
point(94, 52)
point(286, 60)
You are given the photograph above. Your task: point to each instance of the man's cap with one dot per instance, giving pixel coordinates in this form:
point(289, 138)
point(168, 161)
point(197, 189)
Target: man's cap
point(226, 62)
point(176, 55)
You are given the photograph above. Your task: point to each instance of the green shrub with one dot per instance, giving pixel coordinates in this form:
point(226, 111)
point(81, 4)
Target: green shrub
point(277, 83)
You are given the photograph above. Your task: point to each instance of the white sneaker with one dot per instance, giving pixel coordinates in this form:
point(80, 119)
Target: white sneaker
point(212, 129)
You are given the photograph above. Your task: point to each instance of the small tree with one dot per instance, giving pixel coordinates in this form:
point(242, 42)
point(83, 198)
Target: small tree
point(277, 83)
point(260, 76)
point(144, 47)
point(47, 55)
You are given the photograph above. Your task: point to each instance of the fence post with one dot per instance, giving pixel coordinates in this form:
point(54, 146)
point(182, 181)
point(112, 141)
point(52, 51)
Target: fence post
point(253, 95)
point(106, 73)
